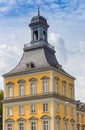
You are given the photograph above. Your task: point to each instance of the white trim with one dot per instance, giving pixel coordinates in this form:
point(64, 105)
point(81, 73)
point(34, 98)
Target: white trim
point(30, 102)
point(4, 117)
point(52, 114)
point(31, 74)
point(51, 80)
point(30, 124)
point(9, 123)
point(48, 123)
point(21, 122)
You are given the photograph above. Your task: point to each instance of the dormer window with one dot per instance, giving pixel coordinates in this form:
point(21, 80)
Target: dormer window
point(35, 35)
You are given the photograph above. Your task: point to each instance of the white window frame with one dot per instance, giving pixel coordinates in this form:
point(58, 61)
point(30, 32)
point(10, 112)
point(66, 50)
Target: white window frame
point(21, 123)
point(9, 111)
point(57, 107)
point(82, 117)
point(45, 85)
point(56, 85)
point(11, 127)
point(21, 110)
point(10, 90)
point(64, 89)
point(71, 91)
point(65, 110)
point(32, 108)
point(65, 125)
point(72, 126)
point(45, 107)
point(45, 125)
point(21, 89)
point(33, 87)
point(72, 111)
point(77, 117)
point(58, 125)
point(33, 121)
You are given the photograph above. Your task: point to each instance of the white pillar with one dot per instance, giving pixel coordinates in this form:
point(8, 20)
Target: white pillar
point(51, 81)
point(52, 114)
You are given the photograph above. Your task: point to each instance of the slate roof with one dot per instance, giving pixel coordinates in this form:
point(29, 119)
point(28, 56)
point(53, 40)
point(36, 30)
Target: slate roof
point(41, 55)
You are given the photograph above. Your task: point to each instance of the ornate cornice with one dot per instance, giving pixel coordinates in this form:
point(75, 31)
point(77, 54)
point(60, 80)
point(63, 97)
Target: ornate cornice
point(39, 96)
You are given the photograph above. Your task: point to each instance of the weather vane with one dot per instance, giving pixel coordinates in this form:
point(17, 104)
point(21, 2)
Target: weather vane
point(38, 10)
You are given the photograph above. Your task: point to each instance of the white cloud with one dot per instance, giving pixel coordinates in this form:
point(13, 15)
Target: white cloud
point(72, 61)
point(59, 44)
point(9, 55)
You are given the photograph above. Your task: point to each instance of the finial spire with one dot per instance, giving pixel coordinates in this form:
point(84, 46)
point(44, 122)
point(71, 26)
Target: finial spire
point(38, 10)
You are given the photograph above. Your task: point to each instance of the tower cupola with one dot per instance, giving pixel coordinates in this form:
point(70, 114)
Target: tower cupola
point(39, 28)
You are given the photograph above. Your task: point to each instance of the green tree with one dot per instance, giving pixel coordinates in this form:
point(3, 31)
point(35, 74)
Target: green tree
point(1, 108)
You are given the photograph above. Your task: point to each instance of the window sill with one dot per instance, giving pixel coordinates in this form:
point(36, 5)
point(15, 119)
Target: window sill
point(33, 113)
point(9, 115)
point(21, 115)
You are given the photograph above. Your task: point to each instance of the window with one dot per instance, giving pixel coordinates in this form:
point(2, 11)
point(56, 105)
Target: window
point(32, 88)
point(45, 107)
point(65, 109)
point(45, 86)
point(21, 110)
point(57, 107)
point(56, 85)
point(72, 111)
point(10, 90)
point(72, 126)
point(9, 111)
point(78, 128)
point(33, 125)
point(45, 125)
point(33, 110)
point(82, 116)
point(9, 127)
point(77, 117)
point(71, 92)
point(83, 128)
point(21, 89)
point(21, 126)
point(64, 89)
point(58, 125)
point(65, 126)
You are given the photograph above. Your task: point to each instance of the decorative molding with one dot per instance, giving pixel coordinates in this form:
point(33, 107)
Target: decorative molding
point(21, 81)
point(70, 84)
point(9, 120)
point(21, 119)
point(65, 119)
point(32, 79)
point(56, 78)
point(33, 118)
point(45, 117)
point(72, 120)
point(10, 83)
point(45, 77)
point(58, 117)
point(64, 81)
point(40, 96)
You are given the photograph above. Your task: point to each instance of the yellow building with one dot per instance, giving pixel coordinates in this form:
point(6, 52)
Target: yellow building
point(39, 94)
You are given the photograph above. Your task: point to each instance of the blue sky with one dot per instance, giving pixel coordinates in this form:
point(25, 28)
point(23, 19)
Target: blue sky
point(66, 32)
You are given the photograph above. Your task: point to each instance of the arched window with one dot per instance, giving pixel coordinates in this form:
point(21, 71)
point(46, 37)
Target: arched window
point(44, 35)
point(36, 35)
